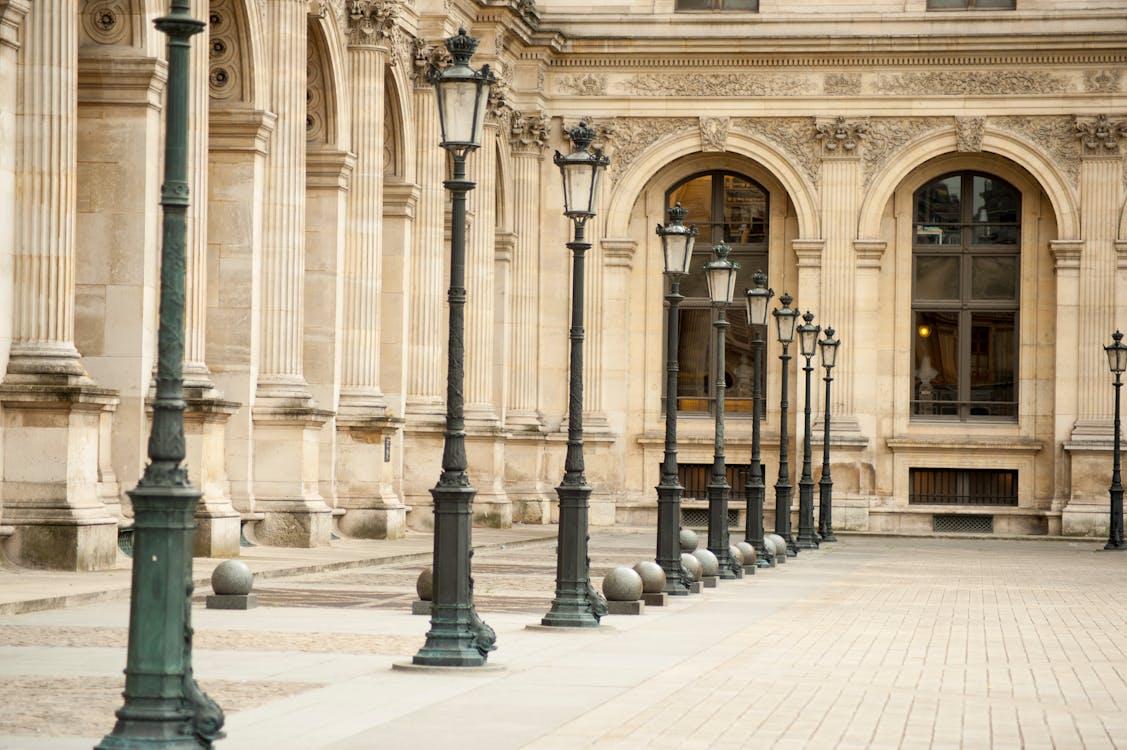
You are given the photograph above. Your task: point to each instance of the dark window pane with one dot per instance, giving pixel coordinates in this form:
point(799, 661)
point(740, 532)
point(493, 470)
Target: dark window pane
point(946, 4)
point(994, 277)
point(694, 4)
point(995, 201)
point(993, 234)
point(739, 363)
point(695, 196)
point(993, 356)
point(937, 277)
point(935, 377)
point(696, 284)
point(995, 4)
point(745, 211)
point(693, 361)
point(939, 202)
point(740, 4)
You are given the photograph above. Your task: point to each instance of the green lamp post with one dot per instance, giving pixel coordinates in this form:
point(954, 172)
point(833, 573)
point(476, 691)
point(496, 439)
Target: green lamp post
point(758, 300)
point(457, 636)
point(164, 707)
point(576, 603)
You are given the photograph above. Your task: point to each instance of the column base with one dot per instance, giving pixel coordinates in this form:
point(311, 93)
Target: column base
point(365, 476)
point(216, 535)
point(75, 546)
point(374, 523)
point(300, 525)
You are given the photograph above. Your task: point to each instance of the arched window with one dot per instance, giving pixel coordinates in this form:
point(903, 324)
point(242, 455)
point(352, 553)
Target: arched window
point(725, 207)
point(965, 282)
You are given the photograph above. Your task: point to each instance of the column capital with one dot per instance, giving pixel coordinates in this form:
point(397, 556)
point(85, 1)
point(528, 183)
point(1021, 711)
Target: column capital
point(840, 137)
point(427, 56)
point(869, 252)
point(1066, 253)
point(619, 251)
point(809, 252)
point(1099, 135)
point(371, 23)
point(528, 133)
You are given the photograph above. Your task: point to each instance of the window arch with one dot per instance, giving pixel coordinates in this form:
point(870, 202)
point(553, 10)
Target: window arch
point(966, 256)
point(731, 208)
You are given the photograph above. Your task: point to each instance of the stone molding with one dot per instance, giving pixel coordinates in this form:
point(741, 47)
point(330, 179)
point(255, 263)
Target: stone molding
point(504, 246)
point(619, 252)
point(238, 129)
point(869, 253)
point(1120, 255)
point(329, 168)
point(12, 13)
point(1066, 254)
point(122, 80)
point(808, 252)
point(400, 200)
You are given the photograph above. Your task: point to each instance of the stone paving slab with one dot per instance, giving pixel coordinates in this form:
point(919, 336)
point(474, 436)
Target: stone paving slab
point(869, 643)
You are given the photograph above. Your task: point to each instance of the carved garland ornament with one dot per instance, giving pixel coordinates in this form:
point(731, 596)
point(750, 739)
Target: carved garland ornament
point(714, 133)
point(887, 137)
point(963, 83)
point(1055, 135)
point(840, 137)
point(583, 84)
point(528, 132)
point(794, 136)
point(626, 138)
point(725, 84)
point(371, 21)
point(968, 133)
point(1099, 136)
point(1102, 81)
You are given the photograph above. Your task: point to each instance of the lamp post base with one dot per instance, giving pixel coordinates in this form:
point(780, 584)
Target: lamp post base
point(577, 604)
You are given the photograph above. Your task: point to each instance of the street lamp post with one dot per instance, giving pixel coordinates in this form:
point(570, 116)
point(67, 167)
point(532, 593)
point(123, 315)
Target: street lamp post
point(457, 636)
point(721, 275)
point(1117, 362)
point(808, 343)
point(576, 604)
point(785, 320)
point(828, 347)
point(164, 707)
point(758, 300)
point(677, 249)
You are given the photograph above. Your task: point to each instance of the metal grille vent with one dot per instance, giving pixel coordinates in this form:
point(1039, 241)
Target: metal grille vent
point(962, 524)
point(125, 542)
point(697, 518)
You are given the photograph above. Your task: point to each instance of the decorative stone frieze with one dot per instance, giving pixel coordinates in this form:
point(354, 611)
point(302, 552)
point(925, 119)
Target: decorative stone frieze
point(722, 84)
point(968, 133)
point(1099, 135)
point(714, 133)
point(1102, 81)
point(1055, 135)
point(842, 84)
point(528, 132)
point(583, 84)
point(792, 135)
point(840, 137)
point(106, 22)
point(971, 82)
point(887, 136)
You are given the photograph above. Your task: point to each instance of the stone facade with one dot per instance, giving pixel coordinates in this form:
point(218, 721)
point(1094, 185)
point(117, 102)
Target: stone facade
point(318, 243)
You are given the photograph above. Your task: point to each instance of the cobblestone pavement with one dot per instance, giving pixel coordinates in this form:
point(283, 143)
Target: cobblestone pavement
point(870, 643)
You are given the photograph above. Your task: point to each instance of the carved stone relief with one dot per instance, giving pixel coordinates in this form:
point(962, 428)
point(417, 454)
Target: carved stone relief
point(968, 133)
point(583, 84)
point(1055, 135)
point(499, 108)
point(840, 137)
point(723, 84)
point(225, 64)
point(528, 132)
point(842, 84)
point(961, 83)
point(1099, 136)
point(886, 137)
point(371, 21)
point(714, 133)
point(794, 136)
point(107, 22)
point(316, 108)
point(1102, 81)
point(626, 138)
point(425, 58)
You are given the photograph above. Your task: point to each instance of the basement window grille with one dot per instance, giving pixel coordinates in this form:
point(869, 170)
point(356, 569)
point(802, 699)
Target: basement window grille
point(954, 523)
point(962, 486)
point(694, 479)
point(697, 518)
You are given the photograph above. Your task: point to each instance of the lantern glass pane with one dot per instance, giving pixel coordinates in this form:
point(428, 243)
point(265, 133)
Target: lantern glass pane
point(808, 340)
point(1117, 358)
point(829, 353)
point(785, 324)
point(577, 187)
point(456, 103)
point(676, 255)
point(731, 293)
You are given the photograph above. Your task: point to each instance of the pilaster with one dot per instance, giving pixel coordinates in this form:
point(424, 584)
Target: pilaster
point(52, 411)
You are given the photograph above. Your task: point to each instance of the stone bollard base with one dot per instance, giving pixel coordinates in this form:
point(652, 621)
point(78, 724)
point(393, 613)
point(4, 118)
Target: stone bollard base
point(710, 582)
point(420, 607)
point(658, 599)
point(232, 601)
point(695, 587)
point(626, 608)
point(749, 570)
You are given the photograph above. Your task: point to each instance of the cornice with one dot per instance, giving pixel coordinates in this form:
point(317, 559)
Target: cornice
point(129, 80)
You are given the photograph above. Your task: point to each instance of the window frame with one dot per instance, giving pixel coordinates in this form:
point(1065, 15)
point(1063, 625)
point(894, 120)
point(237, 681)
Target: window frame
point(964, 305)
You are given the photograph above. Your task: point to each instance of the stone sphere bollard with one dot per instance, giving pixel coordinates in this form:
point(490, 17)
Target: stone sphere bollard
point(736, 554)
point(709, 565)
point(780, 547)
point(692, 565)
point(653, 577)
point(232, 578)
point(689, 540)
point(748, 552)
point(424, 584)
point(622, 584)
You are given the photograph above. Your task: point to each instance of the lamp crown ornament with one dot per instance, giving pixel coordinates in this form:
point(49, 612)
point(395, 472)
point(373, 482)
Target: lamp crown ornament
point(786, 299)
point(581, 136)
point(461, 47)
point(677, 214)
point(808, 317)
point(759, 279)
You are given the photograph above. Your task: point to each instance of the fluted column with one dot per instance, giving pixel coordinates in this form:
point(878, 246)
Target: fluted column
point(46, 163)
point(52, 411)
point(283, 247)
point(364, 479)
point(528, 137)
point(480, 252)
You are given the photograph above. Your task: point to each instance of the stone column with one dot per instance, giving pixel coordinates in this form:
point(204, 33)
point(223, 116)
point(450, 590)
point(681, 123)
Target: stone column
point(51, 410)
point(427, 321)
point(525, 479)
point(364, 480)
point(205, 418)
point(12, 13)
point(1101, 199)
point(286, 423)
